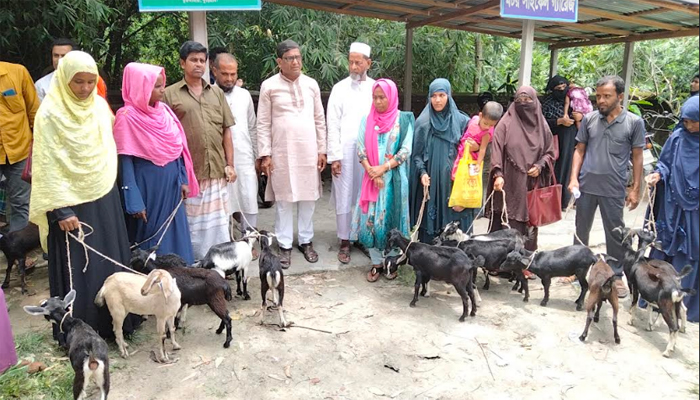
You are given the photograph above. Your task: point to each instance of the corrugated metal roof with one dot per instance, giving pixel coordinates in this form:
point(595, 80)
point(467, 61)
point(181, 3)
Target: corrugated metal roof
point(600, 21)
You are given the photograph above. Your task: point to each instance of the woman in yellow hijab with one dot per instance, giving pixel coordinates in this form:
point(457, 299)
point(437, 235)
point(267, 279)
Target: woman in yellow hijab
point(74, 173)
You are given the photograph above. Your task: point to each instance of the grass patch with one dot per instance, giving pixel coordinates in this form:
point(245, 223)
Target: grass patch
point(55, 383)
point(695, 389)
point(406, 275)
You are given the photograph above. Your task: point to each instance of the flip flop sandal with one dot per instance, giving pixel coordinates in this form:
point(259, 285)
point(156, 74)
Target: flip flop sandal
point(309, 253)
point(285, 257)
point(344, 255)
point(374, 274)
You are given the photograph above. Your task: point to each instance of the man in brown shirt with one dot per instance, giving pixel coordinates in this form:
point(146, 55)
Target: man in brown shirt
point(18, 106)
point(206, 119)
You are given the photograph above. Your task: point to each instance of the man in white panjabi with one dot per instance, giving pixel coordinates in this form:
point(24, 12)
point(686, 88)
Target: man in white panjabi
point(243, 193)
point(292, 149)
point(349, 102)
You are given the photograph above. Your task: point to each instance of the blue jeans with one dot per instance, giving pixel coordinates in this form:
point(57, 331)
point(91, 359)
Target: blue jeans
point(17, 192)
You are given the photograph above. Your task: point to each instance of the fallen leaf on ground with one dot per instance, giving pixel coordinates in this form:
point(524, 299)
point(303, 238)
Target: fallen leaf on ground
point(218, 361)
point(288, 372)
point(315, 381)
point(376, 391)
point(275, 377)
point(190, 376)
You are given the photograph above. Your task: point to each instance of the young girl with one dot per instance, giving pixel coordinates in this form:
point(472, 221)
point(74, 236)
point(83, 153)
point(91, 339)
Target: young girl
point(577, 98)
point(477, 136)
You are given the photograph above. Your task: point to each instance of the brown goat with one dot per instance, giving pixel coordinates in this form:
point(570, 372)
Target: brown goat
point(601, 288)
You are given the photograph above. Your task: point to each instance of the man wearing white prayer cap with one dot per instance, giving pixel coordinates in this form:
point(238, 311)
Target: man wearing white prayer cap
point(349, 102)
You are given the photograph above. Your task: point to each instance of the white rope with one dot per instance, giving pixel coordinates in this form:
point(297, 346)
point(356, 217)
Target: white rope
point(81, 241)
point(416, 228)
point(504, 212)
point(480, 211)
point(166, 225)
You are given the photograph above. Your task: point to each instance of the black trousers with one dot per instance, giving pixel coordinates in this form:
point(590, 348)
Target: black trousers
point(611, 210)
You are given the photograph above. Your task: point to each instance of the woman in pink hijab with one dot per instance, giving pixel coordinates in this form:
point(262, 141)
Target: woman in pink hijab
point(383, 147)
point(155, 166)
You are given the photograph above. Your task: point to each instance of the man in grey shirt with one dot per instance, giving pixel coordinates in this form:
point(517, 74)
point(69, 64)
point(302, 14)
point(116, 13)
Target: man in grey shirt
point(600, 167)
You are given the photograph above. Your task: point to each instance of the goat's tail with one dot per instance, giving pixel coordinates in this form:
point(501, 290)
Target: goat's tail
point(100, 298)
point(273, 281)
point(607, 286)
point(227, 292)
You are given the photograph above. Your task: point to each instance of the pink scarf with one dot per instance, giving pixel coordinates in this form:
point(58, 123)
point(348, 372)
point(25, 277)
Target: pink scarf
point(152, 133)
point(377, 124)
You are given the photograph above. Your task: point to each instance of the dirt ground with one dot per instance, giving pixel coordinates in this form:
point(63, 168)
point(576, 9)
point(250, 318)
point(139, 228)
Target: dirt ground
point(368, 343)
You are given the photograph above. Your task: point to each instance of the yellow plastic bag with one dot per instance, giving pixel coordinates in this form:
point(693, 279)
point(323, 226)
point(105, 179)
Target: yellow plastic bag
point(467, 189)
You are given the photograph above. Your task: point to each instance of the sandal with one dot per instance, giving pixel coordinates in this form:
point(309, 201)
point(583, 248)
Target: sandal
point(569, 279)
point(344, 252)
point(529, 275)
point(309, 253)
point(374, 274)
point(285, 257)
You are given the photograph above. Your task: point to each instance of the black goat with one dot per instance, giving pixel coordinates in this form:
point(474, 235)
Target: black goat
point(271, 277)
point(566, 261)
point(87, 351)
point(16, 245)
point(197, 286)
point(446, 264)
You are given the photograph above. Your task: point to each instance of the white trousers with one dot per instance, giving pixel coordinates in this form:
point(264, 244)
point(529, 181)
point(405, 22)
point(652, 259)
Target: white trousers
point(284, 222)
point(343, 222)
point(250, 221)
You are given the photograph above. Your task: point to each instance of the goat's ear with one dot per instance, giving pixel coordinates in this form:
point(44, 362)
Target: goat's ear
point(658, 245)
point(689, 292)
point(654, 276)
point(35, 310)
point(69, 299)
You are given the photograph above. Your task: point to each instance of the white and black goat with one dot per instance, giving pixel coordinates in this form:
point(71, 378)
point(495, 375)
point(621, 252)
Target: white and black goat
point(232, 257)
point(659, 284)
point(87, 351)
point(271, 277)
point(16, 245)
point(197, 286)
point(446, 264)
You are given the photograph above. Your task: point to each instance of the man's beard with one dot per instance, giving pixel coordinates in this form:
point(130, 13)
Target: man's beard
point(358, 77)
point(226, 89)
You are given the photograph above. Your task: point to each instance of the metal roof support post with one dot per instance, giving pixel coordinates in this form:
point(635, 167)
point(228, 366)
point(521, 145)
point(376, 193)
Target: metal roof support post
point(408, 75)
point(198, 32)
point(628, 71)
point(553, 62)
point(526, 47)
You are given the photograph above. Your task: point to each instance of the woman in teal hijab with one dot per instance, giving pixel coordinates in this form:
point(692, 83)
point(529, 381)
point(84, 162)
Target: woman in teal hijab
point(438, 131)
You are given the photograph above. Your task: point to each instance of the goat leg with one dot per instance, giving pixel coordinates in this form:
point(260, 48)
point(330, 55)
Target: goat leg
point(465, 303)
point(683, 314)
point(161, 355)
point(10, 264)
point(546, 282)
point(487, 283)
point(589, 318)
point(474, 296)
point(117, 323)
point(23, 276)
point(79, 384)
point(419, 280)
point(596, 317)
point(650, 312)
point(525, 285)
point(246, 296)
point(615, 303)
point(280, 305)
point(581, 275)
point(238, 283)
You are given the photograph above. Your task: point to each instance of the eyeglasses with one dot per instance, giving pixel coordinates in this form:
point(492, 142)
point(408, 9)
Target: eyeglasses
point(524, 99)
point(291, 59)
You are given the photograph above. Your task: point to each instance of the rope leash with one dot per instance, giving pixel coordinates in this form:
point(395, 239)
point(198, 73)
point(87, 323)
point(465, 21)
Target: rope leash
point(414, 233)
point(166, 224)
point(476, 216)
point(81, 240)
point(505, 221)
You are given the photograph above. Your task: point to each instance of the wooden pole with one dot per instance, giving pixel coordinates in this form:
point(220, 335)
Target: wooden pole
point(479, 55)
point(198, 32)
point(553, 62)
point(628, 71)
point(408, 76)
point(526, 49)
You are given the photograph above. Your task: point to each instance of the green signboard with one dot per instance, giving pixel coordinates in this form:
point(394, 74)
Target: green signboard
point(199, 5)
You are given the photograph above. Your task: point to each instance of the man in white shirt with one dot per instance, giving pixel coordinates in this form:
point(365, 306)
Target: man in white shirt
point(59, 49)
point(350, 101)
point(244, 191)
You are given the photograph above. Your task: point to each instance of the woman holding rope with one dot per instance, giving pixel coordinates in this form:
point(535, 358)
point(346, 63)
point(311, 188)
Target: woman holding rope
point(522, 148)
point(383, 147)
point(155, 166)
point(73, 190)
point(678, 219)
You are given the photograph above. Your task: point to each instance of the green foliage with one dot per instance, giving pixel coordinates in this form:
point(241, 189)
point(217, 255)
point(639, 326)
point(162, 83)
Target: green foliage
point(116, 33)
point(52, 384)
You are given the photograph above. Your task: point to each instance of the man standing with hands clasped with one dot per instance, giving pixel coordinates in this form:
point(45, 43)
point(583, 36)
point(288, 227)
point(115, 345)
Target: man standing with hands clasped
point(599, 170)
point(349, 102)
point(292, 147)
